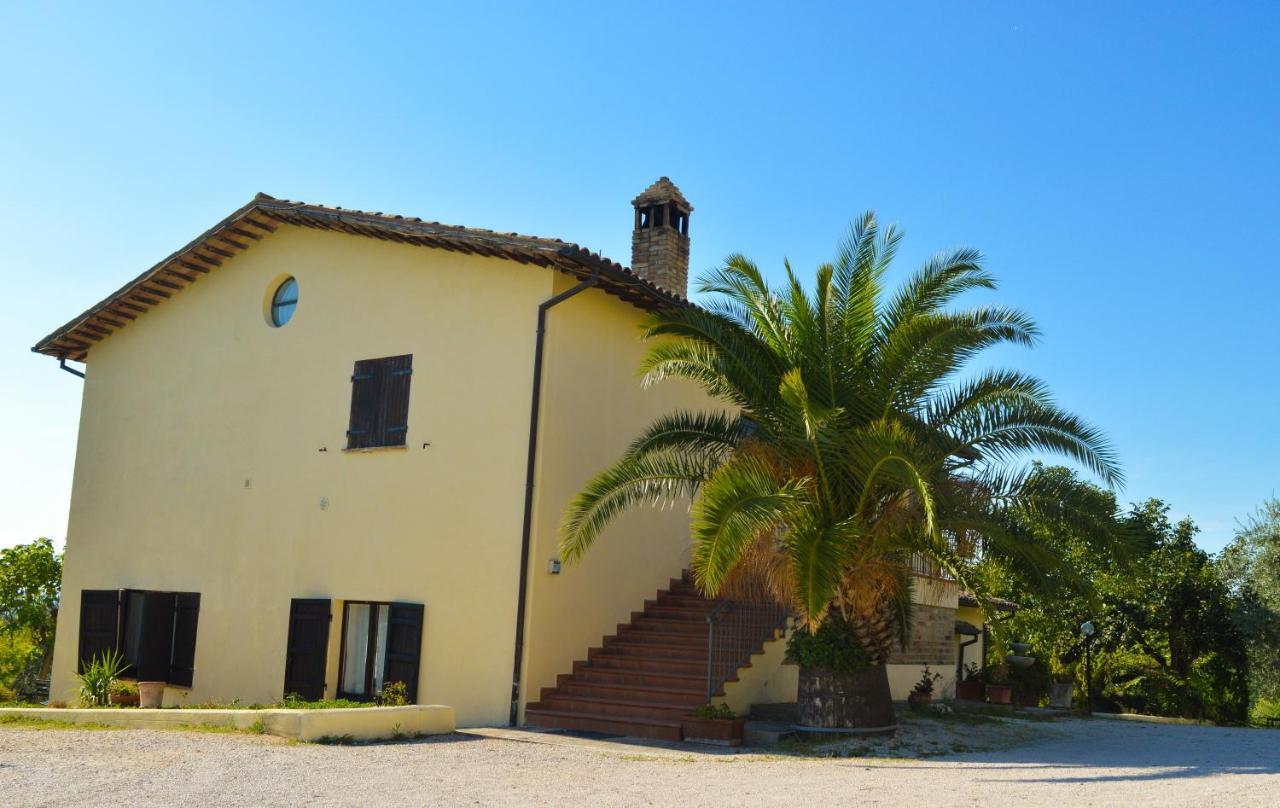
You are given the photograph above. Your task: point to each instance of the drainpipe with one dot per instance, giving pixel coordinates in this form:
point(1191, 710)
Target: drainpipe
point(62, 363)
point(526, 532)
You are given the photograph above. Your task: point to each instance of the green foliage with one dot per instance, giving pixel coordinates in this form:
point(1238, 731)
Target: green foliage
point(717, 711)
point(123, 689)
point(394, 694)
point(1167, 642)
point(30, 578)
point(856, 441)
point(833, 647)
point(99, 677)
point(1250, 566)
point(20, 659)
point(1031, 681)
point(924, 687)
point(293, 701)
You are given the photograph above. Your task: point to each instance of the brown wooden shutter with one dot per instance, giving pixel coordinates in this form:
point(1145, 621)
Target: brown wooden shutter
point(394, 420)
point(156, 649)
point(404, 646)
point(308, 647)
point(186, 612)
point(380, 402)
point(99, 624)
point(366, 392)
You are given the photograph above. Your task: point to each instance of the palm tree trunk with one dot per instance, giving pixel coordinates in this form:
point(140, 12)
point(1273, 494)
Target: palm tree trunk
point(831, 700)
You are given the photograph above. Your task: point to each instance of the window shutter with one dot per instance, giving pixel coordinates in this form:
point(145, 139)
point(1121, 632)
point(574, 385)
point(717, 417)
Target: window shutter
point(366, 389)
point(99, 624)
point(186, 611)
point(397, 371)
point(308, 647)
point(404, 646)
point(156, 648)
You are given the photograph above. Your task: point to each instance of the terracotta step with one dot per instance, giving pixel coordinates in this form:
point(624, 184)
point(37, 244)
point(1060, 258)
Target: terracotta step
point(602, 658)
point(689, 697)
point(658, 729)
point(654, 636)
point(622, 676)
point(625, 708)
point(653, 648)
point(674, 612)
point(697, 628)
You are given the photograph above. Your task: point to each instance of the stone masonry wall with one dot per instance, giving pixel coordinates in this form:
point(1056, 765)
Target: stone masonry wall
point(932, 638)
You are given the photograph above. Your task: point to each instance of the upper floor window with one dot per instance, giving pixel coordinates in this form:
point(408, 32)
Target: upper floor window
point(284, 301)
point(380, 402)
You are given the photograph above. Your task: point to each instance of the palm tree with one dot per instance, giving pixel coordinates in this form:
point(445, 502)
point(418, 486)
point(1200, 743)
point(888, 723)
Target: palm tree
point(849, 441)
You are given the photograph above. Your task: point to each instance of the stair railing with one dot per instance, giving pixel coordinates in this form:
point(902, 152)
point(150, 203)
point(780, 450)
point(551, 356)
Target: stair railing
point(735, 631)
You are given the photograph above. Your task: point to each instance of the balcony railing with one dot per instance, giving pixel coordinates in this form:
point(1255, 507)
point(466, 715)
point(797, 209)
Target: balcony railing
point(926, 568)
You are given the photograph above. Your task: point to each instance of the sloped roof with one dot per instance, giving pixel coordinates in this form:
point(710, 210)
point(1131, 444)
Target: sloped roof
point(264, 214)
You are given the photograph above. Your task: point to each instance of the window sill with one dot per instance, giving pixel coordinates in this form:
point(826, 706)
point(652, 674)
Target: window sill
point(375, 449)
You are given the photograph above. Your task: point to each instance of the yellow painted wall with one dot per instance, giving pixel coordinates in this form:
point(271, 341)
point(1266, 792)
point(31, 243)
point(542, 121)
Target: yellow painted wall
point(769, 680)
point(209, 441)
point(593, 408)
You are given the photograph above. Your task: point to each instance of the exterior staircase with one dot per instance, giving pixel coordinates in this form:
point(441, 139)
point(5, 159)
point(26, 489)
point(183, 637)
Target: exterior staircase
point(642, 680)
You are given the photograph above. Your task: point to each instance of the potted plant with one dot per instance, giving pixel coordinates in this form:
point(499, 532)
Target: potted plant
point(971, 688)
point(150, 694)
point(922, 693)
point(124, 694)
point(714, 724)
point(97, 676)
point(998, 689)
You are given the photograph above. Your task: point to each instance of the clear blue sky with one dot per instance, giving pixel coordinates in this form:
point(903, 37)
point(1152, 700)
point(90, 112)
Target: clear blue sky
point(1118, 163)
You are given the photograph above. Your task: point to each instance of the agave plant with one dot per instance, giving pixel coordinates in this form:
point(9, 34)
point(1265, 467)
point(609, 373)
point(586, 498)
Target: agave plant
point(98, 676)
point(849, 441)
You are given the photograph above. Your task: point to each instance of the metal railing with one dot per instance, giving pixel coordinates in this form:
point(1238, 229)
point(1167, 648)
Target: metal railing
point(735, 631)
point(926, 568)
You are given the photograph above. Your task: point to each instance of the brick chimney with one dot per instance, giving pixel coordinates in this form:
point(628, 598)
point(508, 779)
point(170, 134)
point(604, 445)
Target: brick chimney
point(660, 241)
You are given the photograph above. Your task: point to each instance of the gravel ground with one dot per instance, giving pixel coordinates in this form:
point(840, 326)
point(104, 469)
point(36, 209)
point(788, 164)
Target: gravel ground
point(950, 760)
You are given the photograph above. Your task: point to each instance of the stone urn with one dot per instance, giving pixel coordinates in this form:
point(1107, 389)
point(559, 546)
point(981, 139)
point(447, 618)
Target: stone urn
point(832, 701)
point(150, 694)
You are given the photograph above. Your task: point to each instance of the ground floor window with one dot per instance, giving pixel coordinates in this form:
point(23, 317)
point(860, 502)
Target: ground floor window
point(155, 631)
point(381, 643)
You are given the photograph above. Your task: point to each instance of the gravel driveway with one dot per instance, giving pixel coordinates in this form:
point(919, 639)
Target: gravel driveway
point(1065, 762)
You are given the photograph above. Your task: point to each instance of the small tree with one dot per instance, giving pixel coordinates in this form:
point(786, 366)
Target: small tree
point(30, 582)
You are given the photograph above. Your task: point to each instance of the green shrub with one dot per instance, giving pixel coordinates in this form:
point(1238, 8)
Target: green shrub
point(394, 694)
point(99, 676)
point(1032, 680)
point(833, 647)
point(721, 711)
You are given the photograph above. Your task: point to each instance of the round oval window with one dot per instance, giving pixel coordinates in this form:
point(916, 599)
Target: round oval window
point(283, 302)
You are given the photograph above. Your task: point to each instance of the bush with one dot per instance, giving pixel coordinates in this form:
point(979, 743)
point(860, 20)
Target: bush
point(717, 711)
point(99, 676)
point(833, 647)
point(1032, 681)
point(394, 694)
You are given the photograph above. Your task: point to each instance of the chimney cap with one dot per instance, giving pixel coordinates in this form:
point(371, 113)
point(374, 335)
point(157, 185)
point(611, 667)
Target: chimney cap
point(662, 191)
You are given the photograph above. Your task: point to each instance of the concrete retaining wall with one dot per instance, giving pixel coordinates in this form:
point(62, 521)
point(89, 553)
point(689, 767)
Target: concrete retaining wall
point(369, 723)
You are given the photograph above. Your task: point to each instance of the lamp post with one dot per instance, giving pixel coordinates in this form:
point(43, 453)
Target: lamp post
point(1088, 630)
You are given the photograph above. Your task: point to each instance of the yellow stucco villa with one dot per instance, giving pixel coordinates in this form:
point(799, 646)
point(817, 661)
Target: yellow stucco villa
point(323, 449)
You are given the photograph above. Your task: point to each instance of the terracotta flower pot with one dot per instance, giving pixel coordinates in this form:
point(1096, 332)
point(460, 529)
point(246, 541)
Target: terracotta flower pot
point(150, 694)
point(919, 701)
point(124, 699)
point(1000, 694)
point(971, 690)
point(716, 731)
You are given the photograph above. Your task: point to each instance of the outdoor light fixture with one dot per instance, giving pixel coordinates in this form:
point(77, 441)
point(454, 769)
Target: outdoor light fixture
point(1088, 629)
